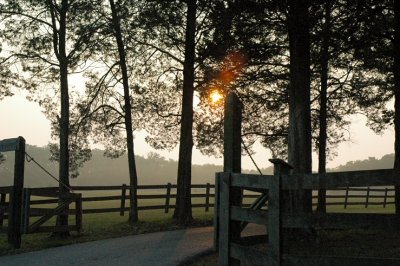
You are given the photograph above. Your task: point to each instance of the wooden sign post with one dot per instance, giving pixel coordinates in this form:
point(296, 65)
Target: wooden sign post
point(15, 207)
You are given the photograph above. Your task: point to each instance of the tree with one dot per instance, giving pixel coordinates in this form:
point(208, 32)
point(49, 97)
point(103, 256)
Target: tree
point(133, 214)
point(54, 39)
point(183, 208)
point(396, 89)
point(299, 138)
point(249, 44)
point(172, 32)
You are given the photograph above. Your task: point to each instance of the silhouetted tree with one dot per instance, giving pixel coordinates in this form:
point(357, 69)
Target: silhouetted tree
point(54, 38)
point(133, 214)
point(299, 138)
point(396, 89)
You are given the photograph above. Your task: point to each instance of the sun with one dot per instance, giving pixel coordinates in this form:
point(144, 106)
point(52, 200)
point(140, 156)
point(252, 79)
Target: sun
point(216, 96)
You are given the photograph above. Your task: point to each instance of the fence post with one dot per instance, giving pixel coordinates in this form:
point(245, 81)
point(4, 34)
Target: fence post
point(385, 198)
point(78, 213)
point(232, 164)
point(15, 208)
point(346, 197)
point(367, 198)
point(275, 208)
point(216, 212)
point(227, 231)
point(26, 212)
point(167, 198)
point(2, 207)
point(123, 199)
point(207, 196)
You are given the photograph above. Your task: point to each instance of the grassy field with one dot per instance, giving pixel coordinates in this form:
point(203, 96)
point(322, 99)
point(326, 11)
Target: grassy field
point(102, 226)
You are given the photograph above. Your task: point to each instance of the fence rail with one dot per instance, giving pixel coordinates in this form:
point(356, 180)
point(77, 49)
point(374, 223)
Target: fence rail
point(366, 196)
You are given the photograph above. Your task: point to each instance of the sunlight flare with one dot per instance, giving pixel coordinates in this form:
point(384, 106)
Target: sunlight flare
point(216, 96)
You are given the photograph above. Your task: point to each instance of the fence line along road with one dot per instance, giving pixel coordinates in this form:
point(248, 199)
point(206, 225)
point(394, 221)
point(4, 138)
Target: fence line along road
point(350, 197)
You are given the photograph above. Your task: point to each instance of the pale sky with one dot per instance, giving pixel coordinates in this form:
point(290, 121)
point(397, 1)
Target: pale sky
point(19, 117)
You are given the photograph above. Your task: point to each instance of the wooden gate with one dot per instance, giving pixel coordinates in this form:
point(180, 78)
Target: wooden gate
point(46, 214)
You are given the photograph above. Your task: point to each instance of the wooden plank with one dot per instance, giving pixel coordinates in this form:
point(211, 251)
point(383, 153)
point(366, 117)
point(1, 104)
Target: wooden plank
point(167, 198)
point(342, 261)
point(3, 207)
point(102, 198)
point(156, 196)
point(6, 190)
point(201, 186)
point(342, 221)
point(105, 210)
point(34, 212)
point(155, 186)
point(55, 211)
point(123, 200)
point(248, 181)
point(41, 202)
point(207, 197)
point(78, 213)
point(26, 210)
point(90, 188)
point(249, 255)
point(49, 193)
point(249, 215)
point(385, 177)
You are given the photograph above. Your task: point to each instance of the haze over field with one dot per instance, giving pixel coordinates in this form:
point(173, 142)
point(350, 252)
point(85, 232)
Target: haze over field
point(28, 121)
point(152, 169)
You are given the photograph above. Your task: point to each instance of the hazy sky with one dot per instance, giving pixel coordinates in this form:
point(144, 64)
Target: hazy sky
point(19, 117)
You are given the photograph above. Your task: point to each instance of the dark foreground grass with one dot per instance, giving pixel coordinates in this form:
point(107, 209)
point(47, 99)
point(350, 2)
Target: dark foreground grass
point(103, 226)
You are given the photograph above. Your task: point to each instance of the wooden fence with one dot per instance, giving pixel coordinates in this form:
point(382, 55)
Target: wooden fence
point(341, 197)
point(232, 215)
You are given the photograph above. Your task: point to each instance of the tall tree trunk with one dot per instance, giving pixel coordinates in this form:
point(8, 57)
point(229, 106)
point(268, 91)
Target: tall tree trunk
point(64, 119)
point(299, 149)
point(322, 141)
point(133, 212)
point(183, 209)
point(396, 74)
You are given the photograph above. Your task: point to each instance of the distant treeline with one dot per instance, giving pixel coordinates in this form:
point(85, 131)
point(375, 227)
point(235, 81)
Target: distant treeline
point(153, 169)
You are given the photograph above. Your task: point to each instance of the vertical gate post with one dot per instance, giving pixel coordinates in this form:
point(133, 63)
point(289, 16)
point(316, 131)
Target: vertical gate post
point(15, 209)
point(275, 209)
point(232, 164)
